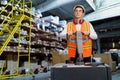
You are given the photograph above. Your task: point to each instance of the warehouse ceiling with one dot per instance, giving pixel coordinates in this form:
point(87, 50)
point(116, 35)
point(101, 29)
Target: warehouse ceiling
point(38, 2)
point(105, 20)
point(63, 8)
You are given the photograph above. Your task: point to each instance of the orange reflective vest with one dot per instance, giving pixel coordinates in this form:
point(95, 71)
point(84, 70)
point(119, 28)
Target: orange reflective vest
point(87, 46)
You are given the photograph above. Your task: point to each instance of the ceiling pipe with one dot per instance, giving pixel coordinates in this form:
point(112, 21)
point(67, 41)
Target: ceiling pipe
point(51, 4)
point(104, 12)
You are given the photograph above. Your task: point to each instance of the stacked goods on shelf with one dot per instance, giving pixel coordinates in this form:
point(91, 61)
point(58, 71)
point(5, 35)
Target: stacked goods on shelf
point(12, 15)
point(22, 39)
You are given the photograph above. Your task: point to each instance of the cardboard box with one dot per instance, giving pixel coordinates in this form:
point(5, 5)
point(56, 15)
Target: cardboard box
point(113, 66)
point(59, 58)
point(106, 58)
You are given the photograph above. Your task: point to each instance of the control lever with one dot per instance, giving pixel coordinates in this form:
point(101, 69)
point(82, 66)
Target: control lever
point(79, 42)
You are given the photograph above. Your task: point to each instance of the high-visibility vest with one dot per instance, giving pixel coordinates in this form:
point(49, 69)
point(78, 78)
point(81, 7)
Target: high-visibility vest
point(87, 45)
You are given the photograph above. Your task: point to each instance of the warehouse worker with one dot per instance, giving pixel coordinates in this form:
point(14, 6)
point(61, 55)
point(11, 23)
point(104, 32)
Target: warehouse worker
point(78, 24)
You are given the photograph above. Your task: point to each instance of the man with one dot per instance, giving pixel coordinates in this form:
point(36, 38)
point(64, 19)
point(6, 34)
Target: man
point(85, 27)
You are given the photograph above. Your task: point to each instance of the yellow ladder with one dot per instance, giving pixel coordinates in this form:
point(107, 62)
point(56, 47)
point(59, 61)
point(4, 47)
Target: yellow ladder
point(28, 17)
point(11, 34)
point(17, 28)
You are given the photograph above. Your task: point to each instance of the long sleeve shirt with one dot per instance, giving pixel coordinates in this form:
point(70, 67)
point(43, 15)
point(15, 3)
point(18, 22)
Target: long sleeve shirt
point(92, 35)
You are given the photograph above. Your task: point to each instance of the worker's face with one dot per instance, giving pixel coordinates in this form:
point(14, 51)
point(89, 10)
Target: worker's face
point(78, 13)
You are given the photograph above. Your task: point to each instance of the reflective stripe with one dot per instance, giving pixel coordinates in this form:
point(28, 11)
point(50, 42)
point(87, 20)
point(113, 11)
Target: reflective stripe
point(87, 47)
point(70, 26)
point(70, 29)
point(88, 31)
point(72, 47)
point(87, 26)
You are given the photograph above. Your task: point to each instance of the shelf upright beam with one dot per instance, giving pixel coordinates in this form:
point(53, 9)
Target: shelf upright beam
point(30, 35)
point(23, 6)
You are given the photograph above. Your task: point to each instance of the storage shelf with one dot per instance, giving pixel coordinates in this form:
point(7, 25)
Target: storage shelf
point(48, 46)
point(4, 13)
point(9, 7)
point(23, 37)
point(1, 20)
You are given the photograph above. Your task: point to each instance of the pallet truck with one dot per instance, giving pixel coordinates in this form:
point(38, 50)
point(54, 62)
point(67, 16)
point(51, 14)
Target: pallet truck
point(80, 71)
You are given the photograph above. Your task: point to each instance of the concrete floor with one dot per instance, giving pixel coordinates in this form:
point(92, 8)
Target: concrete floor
point(45, 76)
point(116, 75)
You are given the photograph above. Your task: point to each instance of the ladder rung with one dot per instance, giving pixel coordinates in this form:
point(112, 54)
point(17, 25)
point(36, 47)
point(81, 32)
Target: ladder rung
point(24, 55)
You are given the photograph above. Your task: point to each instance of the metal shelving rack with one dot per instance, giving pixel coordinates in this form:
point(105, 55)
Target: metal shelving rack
point(16, 12)
point(10, 8)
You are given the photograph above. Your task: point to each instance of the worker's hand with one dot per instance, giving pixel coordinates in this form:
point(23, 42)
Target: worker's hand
point(70, 33)
point(86, 33)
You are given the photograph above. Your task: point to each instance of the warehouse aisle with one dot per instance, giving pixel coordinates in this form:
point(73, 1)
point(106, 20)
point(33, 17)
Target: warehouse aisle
point(46, 76)
point(116, 75)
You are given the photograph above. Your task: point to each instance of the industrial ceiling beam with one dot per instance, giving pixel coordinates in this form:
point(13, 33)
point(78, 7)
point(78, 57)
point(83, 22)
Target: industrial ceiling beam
point(103, 13)
point(116, 26)
point(90, 2)
point(51, 4)
point(109, 34)
point(112, 25)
